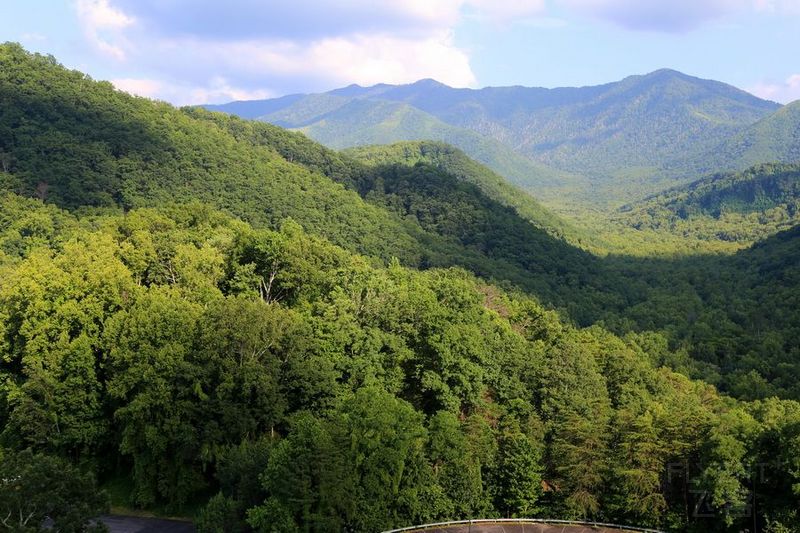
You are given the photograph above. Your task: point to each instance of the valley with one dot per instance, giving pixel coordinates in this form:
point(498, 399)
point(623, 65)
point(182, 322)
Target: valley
point(400, 304)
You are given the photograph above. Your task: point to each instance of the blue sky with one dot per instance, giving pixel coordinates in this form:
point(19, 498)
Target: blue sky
point(210, 51)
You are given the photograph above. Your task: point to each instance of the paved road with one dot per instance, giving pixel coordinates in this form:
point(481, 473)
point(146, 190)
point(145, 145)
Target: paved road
point(135, 524)
point(519, 528)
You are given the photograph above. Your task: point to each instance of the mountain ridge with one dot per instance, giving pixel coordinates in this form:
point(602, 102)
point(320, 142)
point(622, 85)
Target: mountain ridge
point(629, 137)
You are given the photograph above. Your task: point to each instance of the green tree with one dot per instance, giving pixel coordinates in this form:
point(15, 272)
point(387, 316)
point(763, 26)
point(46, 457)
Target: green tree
point(307, 481)
point(54, 307)
point(157, 394)
point(240, 346)
point(640, 466)
point(519, 474)
point(728, 473)
point(458, 472)
point(393, 482)
point(34, 487)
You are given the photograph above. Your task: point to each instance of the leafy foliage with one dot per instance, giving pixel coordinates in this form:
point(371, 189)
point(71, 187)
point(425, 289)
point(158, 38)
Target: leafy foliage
point(35, 487)
point(775, 138)
point(75, 142)
point(353, 396)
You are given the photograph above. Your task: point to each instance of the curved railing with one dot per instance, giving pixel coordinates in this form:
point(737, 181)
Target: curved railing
point(489, 521)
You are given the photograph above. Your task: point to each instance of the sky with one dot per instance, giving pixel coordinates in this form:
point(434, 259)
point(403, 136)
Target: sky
point(215, 51)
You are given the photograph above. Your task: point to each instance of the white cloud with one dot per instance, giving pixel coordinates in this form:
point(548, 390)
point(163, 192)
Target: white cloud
point(247, 70)
point(100, 14)
point(373, 59)
point(139, 87)
point(391, 42)
point(219, 90)
point(194, 51)
point(362, 59)
point(675, 15)
point(438, 13)
point(315, 19)
point(785, 92)
point(102, 25)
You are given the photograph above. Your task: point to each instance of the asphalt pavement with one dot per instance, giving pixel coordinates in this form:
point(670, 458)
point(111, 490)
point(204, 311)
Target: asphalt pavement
point(519, 528)
point(135, 524)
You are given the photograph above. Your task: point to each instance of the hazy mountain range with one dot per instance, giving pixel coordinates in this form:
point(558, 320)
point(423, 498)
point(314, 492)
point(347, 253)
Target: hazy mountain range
point(601, 145)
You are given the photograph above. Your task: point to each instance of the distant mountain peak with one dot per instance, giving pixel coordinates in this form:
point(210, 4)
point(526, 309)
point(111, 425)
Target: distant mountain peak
point(669, 79)
point(429, 83)
point(668, 72)
point(664, 75)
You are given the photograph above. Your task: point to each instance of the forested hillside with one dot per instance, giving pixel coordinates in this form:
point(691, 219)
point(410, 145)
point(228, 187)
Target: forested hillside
point(774, 139)
point(422, 215)
point(456, 163)
point(368, 122)
point(740, 208)
point(203, 312)
point(77, 143)
point(117, 151)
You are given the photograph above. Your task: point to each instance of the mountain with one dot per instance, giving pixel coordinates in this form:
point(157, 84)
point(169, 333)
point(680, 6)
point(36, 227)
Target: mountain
point(368, 122)
point(257, 108)
point(756, 190)
point(425, 204)
point(637, 122)
point(456, 211)
point(115, 151)
point(737, 207)
point(456, 163)
point(621, 136)
point(773, 139)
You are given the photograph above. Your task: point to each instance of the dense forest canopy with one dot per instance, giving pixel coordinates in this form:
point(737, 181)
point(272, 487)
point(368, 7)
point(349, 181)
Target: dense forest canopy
point(191, 353)
point(775, 138)
point(201, 312)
